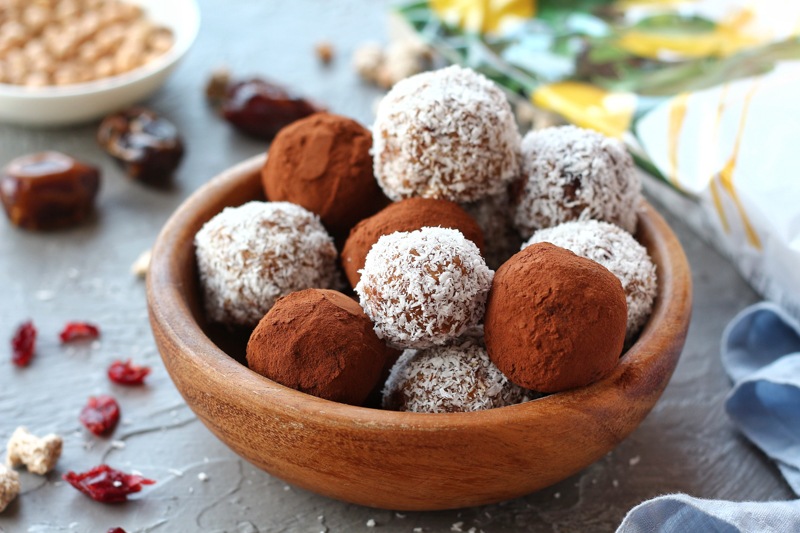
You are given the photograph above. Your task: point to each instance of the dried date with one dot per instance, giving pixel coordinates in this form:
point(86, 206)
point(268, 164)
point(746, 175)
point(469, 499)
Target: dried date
point(146, 145)
point(48, 190)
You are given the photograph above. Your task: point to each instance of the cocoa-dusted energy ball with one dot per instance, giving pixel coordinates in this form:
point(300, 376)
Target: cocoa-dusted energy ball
point(554, 320)
point(319, 342)
point(249, 256)
point(618, 251)
point(405, 215)
point(447, 134)
point(449, 379)
point(424, 288)
point(322, 163)
point(570, 173)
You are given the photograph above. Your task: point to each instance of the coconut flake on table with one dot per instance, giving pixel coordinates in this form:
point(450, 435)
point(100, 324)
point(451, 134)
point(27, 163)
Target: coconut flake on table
point(571, 173)
point(251, 255)
point(424, 288)
point(448, 379)
point(618, 251)
point(446, 134)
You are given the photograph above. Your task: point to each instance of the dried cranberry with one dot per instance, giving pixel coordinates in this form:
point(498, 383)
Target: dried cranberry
point(144, 143)
point(105, 484)
point(101, 414)
point(48, 190)
point(23, 344)
point(79, 331)
point(260, 108)
point(116, 530)
point(127, 373)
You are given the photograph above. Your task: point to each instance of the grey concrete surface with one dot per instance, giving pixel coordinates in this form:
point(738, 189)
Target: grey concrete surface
point(687, 444)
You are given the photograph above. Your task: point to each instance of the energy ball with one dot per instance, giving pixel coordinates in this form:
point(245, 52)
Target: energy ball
point(323, 163)
point(618, 251)
point(554, 320)
point(447, 134)
point(249, 256)
point(319, 342)
point(424, 288)
point(449, 379)
point(570, 173)
point(405, 215)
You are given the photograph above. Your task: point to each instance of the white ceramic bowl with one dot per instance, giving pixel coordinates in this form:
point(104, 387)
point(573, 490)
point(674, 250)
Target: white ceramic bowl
point(82, 102)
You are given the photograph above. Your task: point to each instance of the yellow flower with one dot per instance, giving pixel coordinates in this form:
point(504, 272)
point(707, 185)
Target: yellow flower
point(484, 16)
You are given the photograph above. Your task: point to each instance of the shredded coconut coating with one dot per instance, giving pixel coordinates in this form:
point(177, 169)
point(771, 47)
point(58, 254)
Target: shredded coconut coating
point(447, 134)
point(570, 173)
point(618, 251)
point(9, 487)
point(424, 288)
point(39, 455)
point(493, 216)
point(449, 379)
point(249, 256)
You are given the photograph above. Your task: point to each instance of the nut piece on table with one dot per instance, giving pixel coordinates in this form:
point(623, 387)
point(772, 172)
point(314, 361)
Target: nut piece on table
point(145, 144)
point(325, 52)
point(39, 455)
point(9, 487)
point(260, 108)
point(48, 190)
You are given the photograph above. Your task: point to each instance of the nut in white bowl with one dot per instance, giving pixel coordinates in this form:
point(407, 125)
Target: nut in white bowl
point(81, 102)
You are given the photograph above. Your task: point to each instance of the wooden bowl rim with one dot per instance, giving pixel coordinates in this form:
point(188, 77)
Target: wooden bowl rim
point(169, 308)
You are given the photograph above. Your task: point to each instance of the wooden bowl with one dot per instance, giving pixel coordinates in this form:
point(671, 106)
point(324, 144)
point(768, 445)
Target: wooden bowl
point(392, 460)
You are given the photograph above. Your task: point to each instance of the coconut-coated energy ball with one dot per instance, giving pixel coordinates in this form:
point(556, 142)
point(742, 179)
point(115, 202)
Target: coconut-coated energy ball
point(618, 251)
point(447, 134)
point(449, 379)
point(322, 162)
point(251, 255)
point(570, 173)
point(406, 215)
point(319, 342)
point(554, 320)
point(424, 288)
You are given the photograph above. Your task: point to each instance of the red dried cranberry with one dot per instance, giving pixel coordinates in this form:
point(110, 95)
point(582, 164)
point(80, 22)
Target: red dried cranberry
point(260, 108)
point(79, 331)
point(105, 484)
point(101, 414)
point(23, 344)
point(116, 530)
point(127, 373)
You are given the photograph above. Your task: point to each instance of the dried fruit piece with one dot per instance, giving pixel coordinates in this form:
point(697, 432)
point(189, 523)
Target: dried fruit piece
point(23, 345)
point(79, 331)
point(100, 415)
point(48, 190)
point(115, 530)
point(105, 484)
point(145, 144)
point(127, 373)
point(261, 108)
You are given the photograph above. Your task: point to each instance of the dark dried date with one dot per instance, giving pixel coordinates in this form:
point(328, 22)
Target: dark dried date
point(146, 145)
point(48, 190)
point(260, 108)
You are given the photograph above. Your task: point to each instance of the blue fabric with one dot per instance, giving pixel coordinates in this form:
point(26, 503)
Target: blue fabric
point(679, 513)
point(761, 354)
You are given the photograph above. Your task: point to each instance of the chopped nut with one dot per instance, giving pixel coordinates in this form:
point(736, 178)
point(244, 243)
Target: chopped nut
point(403, 59)
point(367, 61)
point(324, 52)
point(39, 455)
point(217, 86)
point(9, 487)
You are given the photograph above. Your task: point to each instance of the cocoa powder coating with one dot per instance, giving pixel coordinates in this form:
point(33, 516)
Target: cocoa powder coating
point(406, 215)
point(319, 342)
point(554, 320)
point(323, 163)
